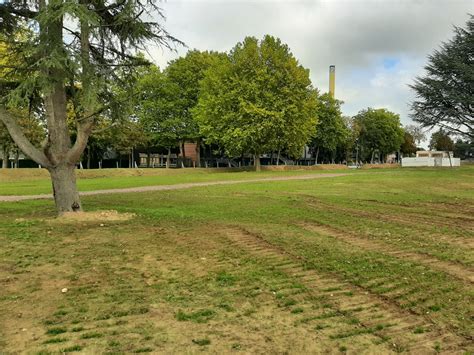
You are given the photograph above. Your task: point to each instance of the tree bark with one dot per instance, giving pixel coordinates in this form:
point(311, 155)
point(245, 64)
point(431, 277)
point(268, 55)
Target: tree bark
point(278, 157)
point(168, 158)
point(317, 155)
point(5, 157)
point(88, 157)
point(198, 153)
point(183, 152)
point(17, 158)
point(65, 192)
point(372, 158)
point(20, 139)
point(257, 162)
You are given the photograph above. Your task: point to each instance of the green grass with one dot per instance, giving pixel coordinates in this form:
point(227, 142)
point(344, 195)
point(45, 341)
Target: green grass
point(178, 275)
point(38, 182)
point(201, 316)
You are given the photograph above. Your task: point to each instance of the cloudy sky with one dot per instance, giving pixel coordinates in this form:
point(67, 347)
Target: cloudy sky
point(378, 46)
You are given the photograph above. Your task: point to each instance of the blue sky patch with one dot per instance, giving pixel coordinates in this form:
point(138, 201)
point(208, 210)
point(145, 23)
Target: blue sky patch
point(390, 63)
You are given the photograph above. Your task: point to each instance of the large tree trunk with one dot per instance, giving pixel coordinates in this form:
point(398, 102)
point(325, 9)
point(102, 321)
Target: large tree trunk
point(88, 157)
point(148, 159)
point(5, 157)
point(168, 159)
point(57, 155)
point(198, 153)
point(257, 162)
point(183, 152)
point(65, 192)
point(17, 158)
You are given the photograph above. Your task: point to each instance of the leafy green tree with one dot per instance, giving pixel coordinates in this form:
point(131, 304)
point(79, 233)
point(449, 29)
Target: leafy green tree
point(464, 149)
point(25, 117)
point(258, 99)
point(186, 73)
point(32, 130)
point(445, 95)
point(159, 109)
point(380, 131)
point(408, 146)
point(416, 132)
point(331, 129)
point(102, 38)
point(100, 140)
point(441, 140)
point(125, 137)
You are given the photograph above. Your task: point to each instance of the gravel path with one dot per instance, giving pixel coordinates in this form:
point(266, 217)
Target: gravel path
point(16, 198)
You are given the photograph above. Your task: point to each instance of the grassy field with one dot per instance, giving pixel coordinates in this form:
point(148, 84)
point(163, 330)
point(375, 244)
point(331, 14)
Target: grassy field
point(375, 261)
point(37, 181)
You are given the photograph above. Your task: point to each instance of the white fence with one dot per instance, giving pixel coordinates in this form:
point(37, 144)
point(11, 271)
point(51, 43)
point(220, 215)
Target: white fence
point(426, 161)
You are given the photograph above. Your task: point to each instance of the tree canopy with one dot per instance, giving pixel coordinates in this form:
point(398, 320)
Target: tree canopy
point(186, 74)
point(445, 95)
point(416, 132)
point(159, 108)
point(332, 131)
point(257, 99)
point(441, 140)
point(408, 146)
point(380, 130)
point(71, 56)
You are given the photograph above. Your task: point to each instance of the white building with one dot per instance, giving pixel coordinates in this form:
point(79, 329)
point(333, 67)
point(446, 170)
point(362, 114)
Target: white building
point(432, 158)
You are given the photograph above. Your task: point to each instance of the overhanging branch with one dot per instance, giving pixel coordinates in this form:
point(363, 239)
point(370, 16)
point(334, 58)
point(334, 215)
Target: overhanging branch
point(21, 141)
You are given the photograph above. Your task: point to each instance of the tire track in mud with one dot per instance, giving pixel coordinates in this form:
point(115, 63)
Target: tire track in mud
point(399, 326)
point(444, 207)
point(427, 216)
point(459, 271)
point(410, 220)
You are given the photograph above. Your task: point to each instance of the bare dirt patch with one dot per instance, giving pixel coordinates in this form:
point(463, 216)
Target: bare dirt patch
point(93, 216)
point(380, 166)
point(25, 295)
point(302, 167)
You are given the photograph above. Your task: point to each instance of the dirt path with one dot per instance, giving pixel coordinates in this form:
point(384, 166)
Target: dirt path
point(16, 198)
point(375, 315)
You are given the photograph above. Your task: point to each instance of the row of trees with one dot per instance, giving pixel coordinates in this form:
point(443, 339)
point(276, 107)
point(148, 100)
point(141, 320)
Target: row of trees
point(74, 68)
point(255, 99)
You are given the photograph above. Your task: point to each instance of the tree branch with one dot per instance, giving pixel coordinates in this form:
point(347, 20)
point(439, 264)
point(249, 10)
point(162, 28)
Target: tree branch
point(84, 130)
point(22, 12)
point(21, 141)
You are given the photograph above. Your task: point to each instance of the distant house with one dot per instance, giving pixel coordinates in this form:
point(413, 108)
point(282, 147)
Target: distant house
point(431, 158)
